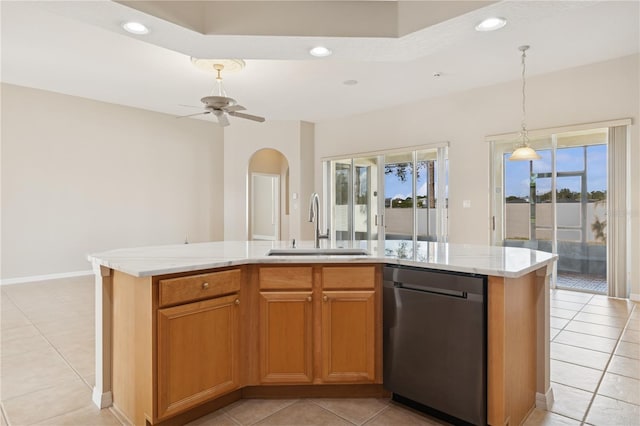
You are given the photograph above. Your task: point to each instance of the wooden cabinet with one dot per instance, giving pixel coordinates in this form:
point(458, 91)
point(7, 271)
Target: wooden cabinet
point(286, 345)
point(198, 353)
point(348, 336)
point(319, 324)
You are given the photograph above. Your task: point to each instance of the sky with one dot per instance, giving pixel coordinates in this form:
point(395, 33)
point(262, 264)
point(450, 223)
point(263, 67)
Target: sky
point(567, 160)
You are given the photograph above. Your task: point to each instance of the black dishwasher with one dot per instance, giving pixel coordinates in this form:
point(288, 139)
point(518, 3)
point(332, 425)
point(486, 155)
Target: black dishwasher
point(435, 340)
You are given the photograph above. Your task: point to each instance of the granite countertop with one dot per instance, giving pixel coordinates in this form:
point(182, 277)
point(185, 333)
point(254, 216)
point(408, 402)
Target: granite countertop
point(508, 262)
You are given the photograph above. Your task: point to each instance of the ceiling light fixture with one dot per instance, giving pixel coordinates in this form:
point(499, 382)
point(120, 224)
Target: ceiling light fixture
point(491, 24)
point(524, 152)
point(320, 52)
point(135, 28)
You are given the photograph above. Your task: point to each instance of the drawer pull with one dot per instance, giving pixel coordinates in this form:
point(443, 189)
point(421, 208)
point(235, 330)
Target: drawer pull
point(237, 302)
point(309, 299)
point(325, 298)
point(205, 286)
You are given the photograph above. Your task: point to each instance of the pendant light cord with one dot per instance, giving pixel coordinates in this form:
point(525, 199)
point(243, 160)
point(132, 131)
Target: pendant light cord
point(525, 136)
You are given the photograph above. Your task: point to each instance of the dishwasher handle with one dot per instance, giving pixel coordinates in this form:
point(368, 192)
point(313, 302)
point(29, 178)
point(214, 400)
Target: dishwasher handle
point(432, 290)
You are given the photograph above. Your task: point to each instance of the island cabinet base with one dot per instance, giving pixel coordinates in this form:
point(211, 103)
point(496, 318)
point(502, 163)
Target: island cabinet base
point(288, 331)
point(511, 348)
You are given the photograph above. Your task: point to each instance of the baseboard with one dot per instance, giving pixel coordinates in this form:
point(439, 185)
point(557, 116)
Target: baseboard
point(635, 297)
point(34, 278)
point(101, 400)
point(544, 401)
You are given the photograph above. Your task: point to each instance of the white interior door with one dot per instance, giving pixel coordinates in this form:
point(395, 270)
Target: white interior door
point(265, 207)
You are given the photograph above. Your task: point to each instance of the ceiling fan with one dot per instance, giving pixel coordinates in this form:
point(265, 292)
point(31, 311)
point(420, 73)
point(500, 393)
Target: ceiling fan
point(220, 105)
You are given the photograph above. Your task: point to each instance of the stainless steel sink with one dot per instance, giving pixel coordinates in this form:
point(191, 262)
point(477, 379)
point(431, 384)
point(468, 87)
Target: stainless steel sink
point(318, 252)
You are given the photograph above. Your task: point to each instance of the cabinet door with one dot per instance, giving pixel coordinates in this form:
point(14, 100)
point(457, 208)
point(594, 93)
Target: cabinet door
point(197, 353)
point(286, 344)
point(348, 336)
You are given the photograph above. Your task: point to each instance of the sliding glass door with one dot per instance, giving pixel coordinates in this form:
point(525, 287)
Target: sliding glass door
point(388, 196)
point(557, 204)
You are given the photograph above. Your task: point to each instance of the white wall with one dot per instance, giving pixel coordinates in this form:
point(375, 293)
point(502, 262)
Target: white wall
point(597, 92)
point(241, 140)
point(81, 176)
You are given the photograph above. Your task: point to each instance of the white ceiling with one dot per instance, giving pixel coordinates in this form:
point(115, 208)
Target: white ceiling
point(78, 48)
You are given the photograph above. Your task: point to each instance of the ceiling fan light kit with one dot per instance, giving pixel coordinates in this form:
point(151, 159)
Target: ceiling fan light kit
point(219, 104)
point(524, 152)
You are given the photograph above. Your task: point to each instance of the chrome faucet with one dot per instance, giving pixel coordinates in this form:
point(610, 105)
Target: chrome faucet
point(314, 216)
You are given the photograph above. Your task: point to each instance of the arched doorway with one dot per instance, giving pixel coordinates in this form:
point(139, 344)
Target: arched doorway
point(268, 195)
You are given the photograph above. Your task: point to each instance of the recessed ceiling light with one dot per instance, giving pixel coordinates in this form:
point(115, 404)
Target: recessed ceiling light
point(320, 51)
point(491, 24)
point(135, 28)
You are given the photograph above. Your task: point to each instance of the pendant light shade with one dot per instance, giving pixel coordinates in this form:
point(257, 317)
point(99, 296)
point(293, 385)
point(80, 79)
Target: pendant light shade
point(524, 152)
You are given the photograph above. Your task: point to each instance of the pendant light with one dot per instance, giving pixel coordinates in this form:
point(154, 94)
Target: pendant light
point(524, 152)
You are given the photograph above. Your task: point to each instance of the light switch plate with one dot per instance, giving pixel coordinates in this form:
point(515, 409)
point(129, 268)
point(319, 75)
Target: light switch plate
point(466, 204)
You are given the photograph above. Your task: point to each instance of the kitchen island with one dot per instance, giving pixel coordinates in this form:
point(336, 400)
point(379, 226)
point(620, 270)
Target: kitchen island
point(185, 329)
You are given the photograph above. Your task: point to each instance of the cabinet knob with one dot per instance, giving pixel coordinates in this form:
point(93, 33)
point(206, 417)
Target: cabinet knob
point(325, 298)
point(309, 299)
point(237, 302)
point(205, 286)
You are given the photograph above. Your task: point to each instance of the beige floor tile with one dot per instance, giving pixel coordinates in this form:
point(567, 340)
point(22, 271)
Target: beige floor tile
point(587, 341)
point(607, 412)
point(51, 402)
point(570, 296)
point(217, 418)
point(631, 336)
point(624, 366)
point(84, 325)
point(628, 349)
point(580, 356)
point(20, 332)
point(634, 324)
point(563, 313)
point(250, 411)
point(81, 357)
point(11, 316)
point(612, 311)
point(620, 387)
point(90, 415)
point(540, 417)
point(303, 413)
point(570, 402)
point(14, 347)
point(594, 329)
point(3, 421)
point(575, 375)
point(602, 300)
point(357, 410)
point(601, 319)
point(32, 371)
point(90, 379)
point(554, 332)
point(559, 322)
point(398, 415)
point(566, 305)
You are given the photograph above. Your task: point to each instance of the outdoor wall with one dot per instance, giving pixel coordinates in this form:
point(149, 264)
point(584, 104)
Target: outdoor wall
point(81, 176)
point(241, 141)
point(597, 92)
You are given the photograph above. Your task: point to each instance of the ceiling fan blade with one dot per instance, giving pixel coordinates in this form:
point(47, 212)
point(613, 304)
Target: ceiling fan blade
point(190, 106)
point(223, 120)
point(193, 115)
point(234, 108)
point(247, 116)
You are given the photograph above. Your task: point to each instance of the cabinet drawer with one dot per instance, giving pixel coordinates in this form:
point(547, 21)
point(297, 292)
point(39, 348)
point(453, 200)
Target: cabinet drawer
point(352, 277)
point(185, 289)
point(286, 278)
